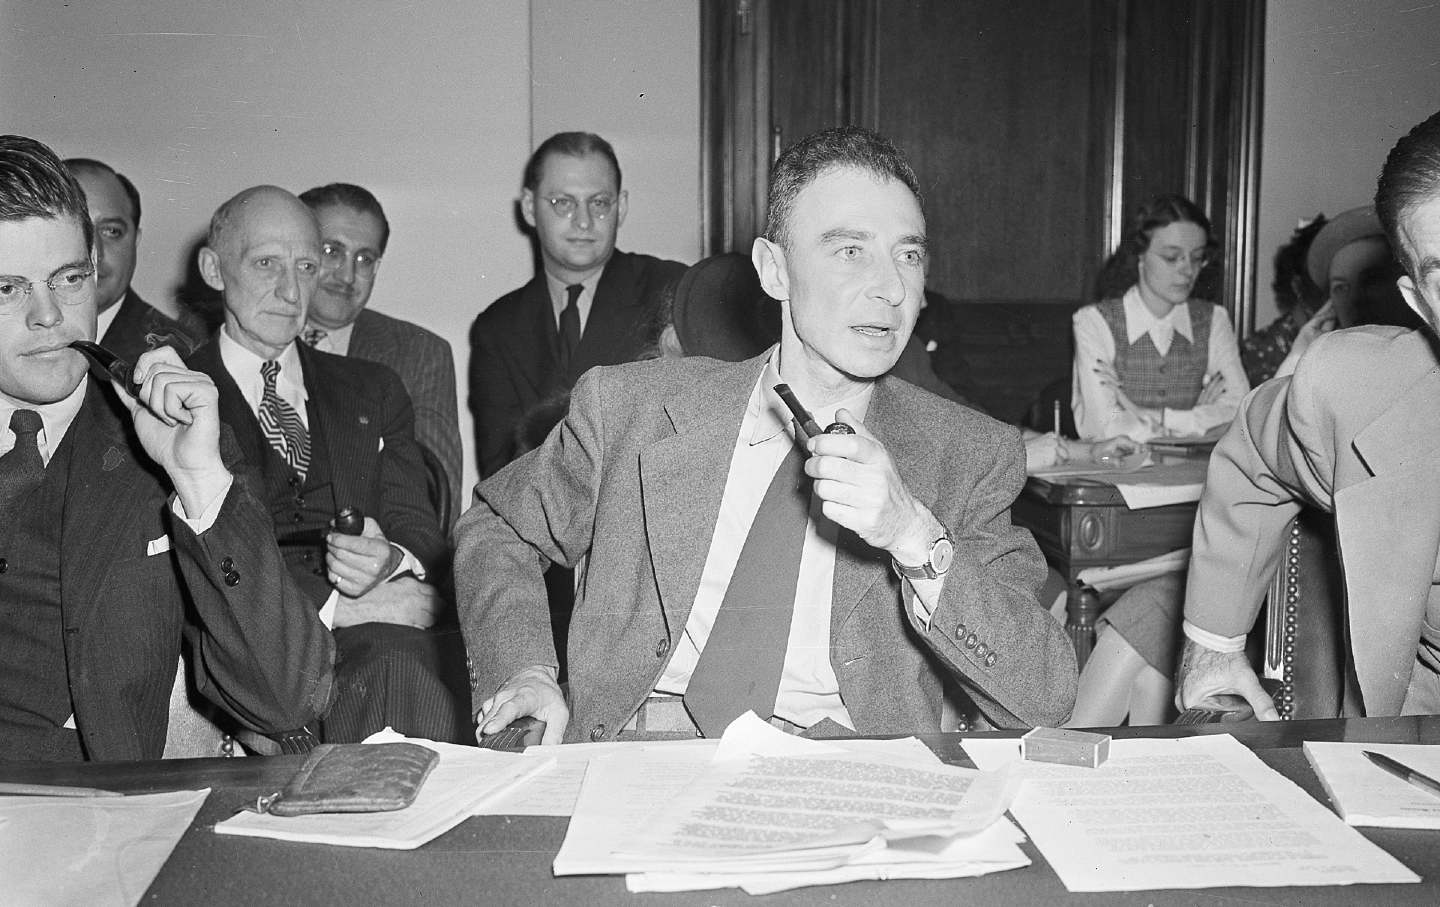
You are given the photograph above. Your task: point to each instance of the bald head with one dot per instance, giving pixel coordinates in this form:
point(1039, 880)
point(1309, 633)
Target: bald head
point(263, 255)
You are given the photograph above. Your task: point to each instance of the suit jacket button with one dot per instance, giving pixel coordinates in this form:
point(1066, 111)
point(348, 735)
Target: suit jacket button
point(294, 481)
point(661, 648)
point(3, 565)
point(971, 640)
point(318, 571)
point(232, 578)
point(227, 564)
point(597, 733)
point(990, 660)
point(960, 632)
point(982, 650)
point(297, 518)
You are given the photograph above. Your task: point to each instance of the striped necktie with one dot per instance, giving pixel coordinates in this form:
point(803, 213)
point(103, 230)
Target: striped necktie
point(281, 424)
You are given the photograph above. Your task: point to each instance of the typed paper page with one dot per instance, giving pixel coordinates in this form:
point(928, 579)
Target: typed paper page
point(1200, 812)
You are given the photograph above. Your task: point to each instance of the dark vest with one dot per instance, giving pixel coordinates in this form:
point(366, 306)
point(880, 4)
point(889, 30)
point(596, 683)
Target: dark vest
point(34, 686)
point(300, 508)
point(1173, 380)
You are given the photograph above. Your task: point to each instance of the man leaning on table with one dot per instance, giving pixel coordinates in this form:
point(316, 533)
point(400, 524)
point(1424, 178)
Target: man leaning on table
point(1355, 431)
point(900, 560)
point(100, 575)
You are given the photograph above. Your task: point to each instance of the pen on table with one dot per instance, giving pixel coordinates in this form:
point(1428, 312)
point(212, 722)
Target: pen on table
point(12, 789)
point(1404, 772)
point(1057, 418)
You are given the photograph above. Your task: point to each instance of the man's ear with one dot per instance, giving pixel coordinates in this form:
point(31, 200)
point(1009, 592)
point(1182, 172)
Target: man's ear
point(527, 207)
point(209, 264)
point(770, 264)
point(622, 207)
point(1416, 301)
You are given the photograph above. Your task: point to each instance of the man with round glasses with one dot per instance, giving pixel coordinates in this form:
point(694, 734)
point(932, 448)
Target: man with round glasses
point(354, 234)
point(123, 530)
point(587, 307)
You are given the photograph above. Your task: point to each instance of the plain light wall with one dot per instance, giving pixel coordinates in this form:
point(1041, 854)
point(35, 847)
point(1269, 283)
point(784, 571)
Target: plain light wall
point(430, 106)
point(1344, 80)
point(628, 70)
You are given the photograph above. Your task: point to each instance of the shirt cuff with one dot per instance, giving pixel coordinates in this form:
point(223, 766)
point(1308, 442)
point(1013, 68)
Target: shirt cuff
point(409, 563)
point(1223, 644)
point(327, 610)
point(915, 593)
point(205, 520)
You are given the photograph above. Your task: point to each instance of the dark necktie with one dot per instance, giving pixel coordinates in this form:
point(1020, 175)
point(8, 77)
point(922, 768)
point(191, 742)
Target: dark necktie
point(281, 424)
point(570, 325)
point(313, 336)
point(740, 665)
point(22, 468)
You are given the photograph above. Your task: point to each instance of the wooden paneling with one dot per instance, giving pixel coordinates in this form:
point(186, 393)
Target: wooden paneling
point(994, 104)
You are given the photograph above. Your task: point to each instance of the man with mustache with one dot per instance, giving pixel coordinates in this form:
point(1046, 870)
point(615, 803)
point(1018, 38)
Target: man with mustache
point(354, 234)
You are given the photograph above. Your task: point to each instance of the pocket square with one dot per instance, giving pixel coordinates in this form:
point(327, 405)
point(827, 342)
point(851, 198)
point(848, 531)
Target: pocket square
point(157, 546)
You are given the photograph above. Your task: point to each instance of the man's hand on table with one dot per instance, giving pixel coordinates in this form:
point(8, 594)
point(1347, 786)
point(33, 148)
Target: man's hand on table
point(532, 692)
point(1205, 673)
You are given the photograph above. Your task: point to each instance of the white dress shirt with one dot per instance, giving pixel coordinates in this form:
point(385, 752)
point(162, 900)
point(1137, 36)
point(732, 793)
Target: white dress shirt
point(1097, 413)
point(559, 298)
point(107, 317)
point(808, 690)
point(336, 340)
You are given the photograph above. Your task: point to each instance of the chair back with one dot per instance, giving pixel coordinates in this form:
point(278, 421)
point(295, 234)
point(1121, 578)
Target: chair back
point(1304, 637)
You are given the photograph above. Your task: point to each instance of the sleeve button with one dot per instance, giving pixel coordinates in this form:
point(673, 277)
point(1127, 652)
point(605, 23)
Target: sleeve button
point(232, 578)
point(990, 660)
point(661, 648)
point(960, 632)
point(597, 733)
point(971, 640)
point(227, 564)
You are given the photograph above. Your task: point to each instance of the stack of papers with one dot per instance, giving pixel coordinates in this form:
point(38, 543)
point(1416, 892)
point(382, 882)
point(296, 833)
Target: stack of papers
point(1200, 812)
point(458, 787)
point(1365, 794)
point(768, 812)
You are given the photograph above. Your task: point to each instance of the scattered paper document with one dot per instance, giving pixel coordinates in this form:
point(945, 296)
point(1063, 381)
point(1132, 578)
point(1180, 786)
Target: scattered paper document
point(823, 812)
point(457, 788)
point(1365, 794)
point(1123, 576)
point(95, 851)
point(1199, 812)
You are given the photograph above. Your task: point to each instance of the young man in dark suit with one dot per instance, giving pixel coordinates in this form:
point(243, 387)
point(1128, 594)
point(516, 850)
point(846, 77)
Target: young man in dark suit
point(124, 533)
point(326, 433)
point(354, 234)
point(590, 304)
point(128, 325)
point(719, 579)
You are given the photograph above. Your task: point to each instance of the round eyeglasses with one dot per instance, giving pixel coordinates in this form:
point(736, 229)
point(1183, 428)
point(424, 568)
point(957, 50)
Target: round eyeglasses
point(67, 285)
point(599, 207)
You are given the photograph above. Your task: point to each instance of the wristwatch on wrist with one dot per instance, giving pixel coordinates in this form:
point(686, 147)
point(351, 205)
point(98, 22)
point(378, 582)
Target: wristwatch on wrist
point(942, 552)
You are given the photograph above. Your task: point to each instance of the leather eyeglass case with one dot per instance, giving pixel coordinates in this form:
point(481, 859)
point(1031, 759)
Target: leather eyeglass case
point(353, 778)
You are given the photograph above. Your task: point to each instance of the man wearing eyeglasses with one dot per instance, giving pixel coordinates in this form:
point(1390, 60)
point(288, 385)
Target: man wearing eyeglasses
point(123, 530)
point(128, 325)
point(354, 233)
point(590, 306)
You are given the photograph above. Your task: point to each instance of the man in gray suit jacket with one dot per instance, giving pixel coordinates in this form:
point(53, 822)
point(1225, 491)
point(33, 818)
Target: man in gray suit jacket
point(1355, 432)
point(354, 233)
point(910, 574)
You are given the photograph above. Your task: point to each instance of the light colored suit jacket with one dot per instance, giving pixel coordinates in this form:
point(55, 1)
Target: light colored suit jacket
point(633, 480)
point(426, 367)
point(1355, 432)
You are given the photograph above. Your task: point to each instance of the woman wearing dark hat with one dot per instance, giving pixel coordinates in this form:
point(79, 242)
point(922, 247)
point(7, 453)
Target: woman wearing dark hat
point(1155, 362)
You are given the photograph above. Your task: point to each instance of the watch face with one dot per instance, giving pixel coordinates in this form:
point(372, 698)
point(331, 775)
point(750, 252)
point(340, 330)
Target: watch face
point(941, 554)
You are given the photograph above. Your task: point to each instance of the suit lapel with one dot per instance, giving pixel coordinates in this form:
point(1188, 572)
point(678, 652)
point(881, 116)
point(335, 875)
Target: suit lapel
point(1389, 573)
point(617, 314)
point(538, 361)
point(682, 479)
point(103, 513)
point(858, 566)
point(368, 340)
point(234, 411)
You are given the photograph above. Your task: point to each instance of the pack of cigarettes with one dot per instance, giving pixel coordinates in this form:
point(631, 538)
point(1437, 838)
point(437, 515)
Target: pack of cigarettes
point(1065, 747)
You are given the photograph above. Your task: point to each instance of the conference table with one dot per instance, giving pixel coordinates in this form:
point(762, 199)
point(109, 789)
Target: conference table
point(506, 859)
point(1081, 521)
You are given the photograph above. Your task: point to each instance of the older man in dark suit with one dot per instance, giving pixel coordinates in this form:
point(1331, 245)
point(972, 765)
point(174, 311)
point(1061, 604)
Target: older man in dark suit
point(589, 305)
point(829, 583)
point(102, 582)
point(128, 325)
point(328, 432)
point(354, 234)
